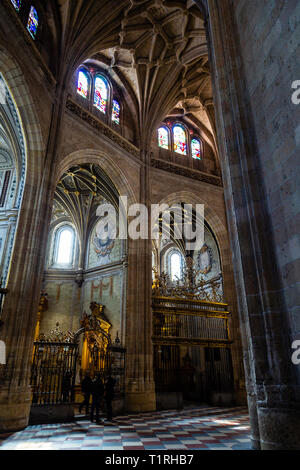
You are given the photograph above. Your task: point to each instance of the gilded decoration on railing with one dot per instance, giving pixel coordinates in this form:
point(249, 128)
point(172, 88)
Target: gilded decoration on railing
point(43, 307)
point(191, 286)
point(97, 320)
point(96, 340)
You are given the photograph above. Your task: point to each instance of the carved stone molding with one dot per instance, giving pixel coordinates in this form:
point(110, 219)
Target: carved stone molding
point(74, 108)
point(187, 172)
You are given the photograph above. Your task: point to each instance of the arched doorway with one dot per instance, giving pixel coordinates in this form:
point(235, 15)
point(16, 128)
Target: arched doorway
point(192, 341)
point(84, 270)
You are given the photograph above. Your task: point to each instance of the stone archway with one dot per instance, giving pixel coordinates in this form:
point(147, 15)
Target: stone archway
point(105, 162)
point(221, 234)
point(135, 387)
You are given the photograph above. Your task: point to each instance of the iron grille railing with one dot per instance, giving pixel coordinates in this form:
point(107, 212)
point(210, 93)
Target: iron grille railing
point(53, 372)
point(191, 342)
point(188, 326)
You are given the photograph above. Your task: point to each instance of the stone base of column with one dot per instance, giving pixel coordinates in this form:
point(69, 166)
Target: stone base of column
point(255, 444)
point(279, 429)
point(14, 416)
point(14, 409)
point(140, 402)
point(255, 436)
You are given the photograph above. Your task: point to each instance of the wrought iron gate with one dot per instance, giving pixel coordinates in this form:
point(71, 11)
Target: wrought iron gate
point(53, 372)
point(192, 347)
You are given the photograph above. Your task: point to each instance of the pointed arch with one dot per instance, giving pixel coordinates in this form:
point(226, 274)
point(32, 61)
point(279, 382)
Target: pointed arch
point(30, 168)
point(12, 174)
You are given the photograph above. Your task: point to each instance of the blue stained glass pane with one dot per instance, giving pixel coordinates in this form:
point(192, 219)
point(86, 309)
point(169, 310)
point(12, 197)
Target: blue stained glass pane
point(33, 22)
point(163, 138)
point(17, 4)
point(116, 112)
point(196, 149)
point(101, 94)
point(179, 140)
point(83, 84)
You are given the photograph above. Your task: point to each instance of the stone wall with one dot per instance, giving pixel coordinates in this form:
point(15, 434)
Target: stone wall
point(269, 38)
point(253, 49)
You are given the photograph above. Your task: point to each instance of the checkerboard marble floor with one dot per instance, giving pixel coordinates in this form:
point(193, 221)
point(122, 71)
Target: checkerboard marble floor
point(197, 428)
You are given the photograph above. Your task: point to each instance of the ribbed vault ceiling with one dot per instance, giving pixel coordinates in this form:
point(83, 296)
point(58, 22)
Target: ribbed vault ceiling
point(158, 45)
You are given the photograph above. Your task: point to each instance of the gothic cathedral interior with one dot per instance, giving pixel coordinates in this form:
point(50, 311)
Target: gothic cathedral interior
point(127, 128)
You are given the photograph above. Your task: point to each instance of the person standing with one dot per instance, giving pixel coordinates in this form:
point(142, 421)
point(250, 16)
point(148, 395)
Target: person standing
point(97, 396)
point(66, 387)
point(109, 396)
point(86, 388)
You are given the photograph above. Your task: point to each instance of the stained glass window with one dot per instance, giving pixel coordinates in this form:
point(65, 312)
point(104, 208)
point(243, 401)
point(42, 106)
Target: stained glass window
point(179, 139)
point(33, 22)
point(16, 4)
point(163, 138)
point(101, 94)
point(83, 84)
point(115, 112)
point(196, 149)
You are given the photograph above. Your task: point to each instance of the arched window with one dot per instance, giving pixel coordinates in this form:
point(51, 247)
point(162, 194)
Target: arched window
point(33, 22)
point(115, 116)
point(17, 4)
point(64, 247)
point(175, 266)
point(83, 84)
point(101, 94)
point(179, 136)
point(196, 149)
point(163, 138)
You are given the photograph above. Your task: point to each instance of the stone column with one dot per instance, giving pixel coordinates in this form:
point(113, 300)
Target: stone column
point(140, 390)
point(271, 385)
point(26, 273)
point(19, 313)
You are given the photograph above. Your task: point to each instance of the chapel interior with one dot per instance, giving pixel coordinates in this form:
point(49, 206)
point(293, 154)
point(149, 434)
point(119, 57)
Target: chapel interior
point(156, 102)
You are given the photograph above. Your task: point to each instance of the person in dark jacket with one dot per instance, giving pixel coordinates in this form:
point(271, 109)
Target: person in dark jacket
point(109, 396)
point(66, 387)
point(97, 396)
point(86, 388)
